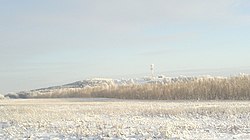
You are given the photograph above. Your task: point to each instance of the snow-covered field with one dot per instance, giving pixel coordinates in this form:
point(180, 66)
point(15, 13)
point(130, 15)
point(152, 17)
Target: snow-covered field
point(123, 119)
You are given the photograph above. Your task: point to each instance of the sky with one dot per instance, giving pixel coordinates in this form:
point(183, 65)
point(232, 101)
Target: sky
point(52, 42)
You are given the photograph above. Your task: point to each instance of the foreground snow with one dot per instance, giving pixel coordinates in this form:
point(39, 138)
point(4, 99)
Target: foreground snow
point(123, 119)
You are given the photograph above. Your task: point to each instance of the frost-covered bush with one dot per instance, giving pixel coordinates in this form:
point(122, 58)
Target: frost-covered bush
point(234, 88)
point(1, 96)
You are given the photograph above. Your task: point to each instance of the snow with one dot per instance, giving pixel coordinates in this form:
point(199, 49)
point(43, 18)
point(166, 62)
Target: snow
point(123, 119)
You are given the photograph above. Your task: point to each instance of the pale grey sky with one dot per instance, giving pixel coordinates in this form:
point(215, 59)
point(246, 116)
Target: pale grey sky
point(52, 42)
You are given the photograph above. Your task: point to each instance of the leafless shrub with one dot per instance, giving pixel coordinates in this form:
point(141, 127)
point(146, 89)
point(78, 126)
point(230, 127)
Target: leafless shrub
point(233, 88)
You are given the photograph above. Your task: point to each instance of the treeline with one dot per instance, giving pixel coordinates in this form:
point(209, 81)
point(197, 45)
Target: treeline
point(233, 88)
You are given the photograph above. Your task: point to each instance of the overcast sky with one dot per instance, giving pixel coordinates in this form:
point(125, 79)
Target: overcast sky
point(51, 42)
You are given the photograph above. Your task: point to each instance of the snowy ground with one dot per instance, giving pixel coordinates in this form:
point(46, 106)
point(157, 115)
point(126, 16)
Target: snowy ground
point(123, 119)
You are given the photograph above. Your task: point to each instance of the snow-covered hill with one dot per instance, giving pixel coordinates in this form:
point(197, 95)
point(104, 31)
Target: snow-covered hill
point(105, 82)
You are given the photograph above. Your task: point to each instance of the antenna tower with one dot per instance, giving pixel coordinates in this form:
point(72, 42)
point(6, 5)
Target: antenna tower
point(152, 68)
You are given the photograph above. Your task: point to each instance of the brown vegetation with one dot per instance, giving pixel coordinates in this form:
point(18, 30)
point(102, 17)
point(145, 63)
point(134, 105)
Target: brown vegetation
point(234, 88)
